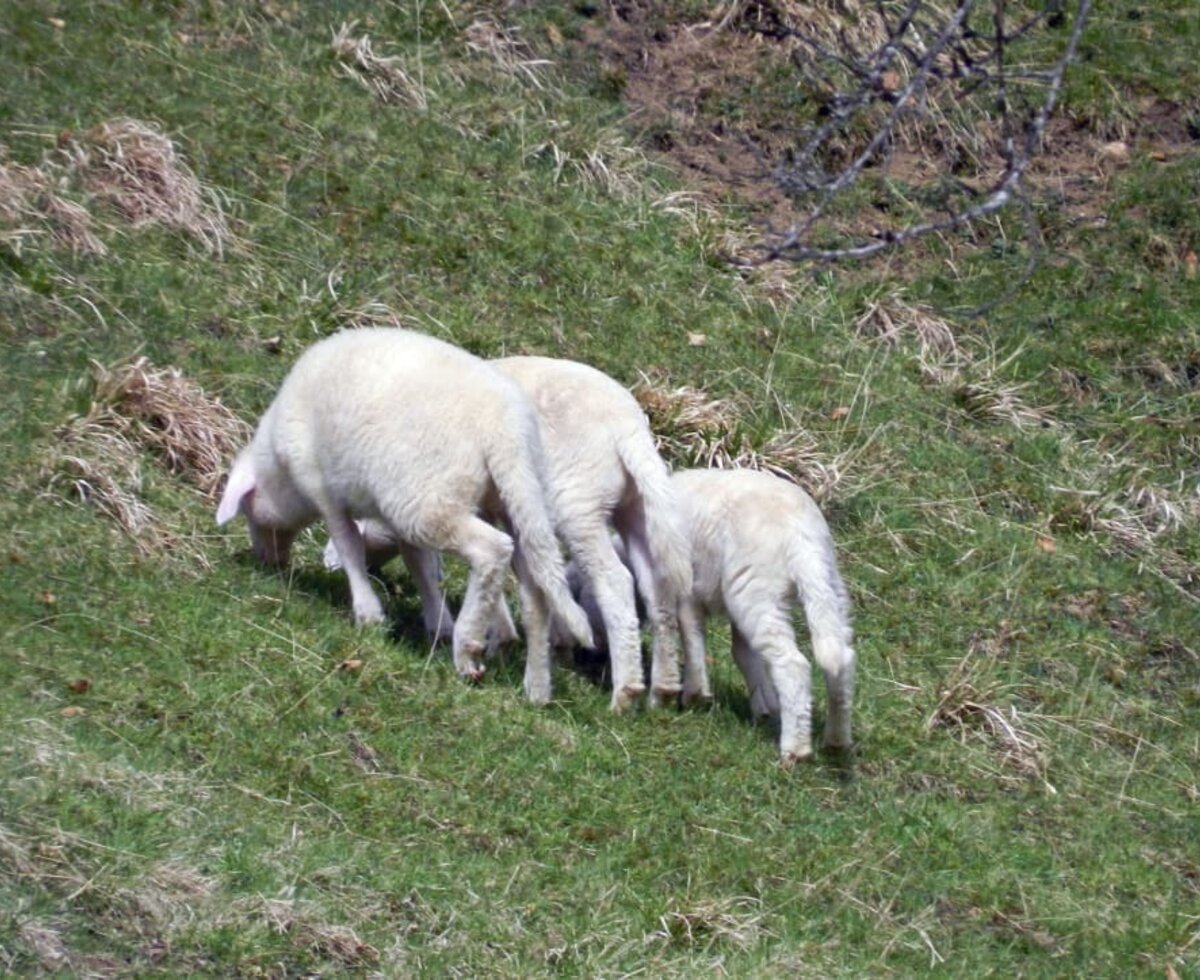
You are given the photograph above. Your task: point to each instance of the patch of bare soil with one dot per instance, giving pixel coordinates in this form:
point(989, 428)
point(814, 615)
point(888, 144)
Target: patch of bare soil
point(694, 92)
point(676, 78)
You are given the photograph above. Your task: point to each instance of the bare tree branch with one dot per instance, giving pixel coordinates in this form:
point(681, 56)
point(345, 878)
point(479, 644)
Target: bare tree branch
point(925, 55)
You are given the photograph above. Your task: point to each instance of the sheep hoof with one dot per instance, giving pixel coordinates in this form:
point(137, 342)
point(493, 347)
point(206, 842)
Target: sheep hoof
point(660, 696)
point(626, 697)
point(839, 748)
point(537, 694)
point(700, 699)
point(789, 759)
point(468, 661)
point(369, 617)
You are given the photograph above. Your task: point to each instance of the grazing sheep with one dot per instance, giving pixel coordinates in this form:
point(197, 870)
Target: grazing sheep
point(759, 543)
point(397, 426)
point(604, 473)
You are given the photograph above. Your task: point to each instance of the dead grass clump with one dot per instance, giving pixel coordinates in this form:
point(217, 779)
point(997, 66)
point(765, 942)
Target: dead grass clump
point(171, 894)
point(135, 406)
point(850, 25)
point(47, 945)
point(136, 169)
point(502, 46)
point(736, 921)
point(195, 435)
point(384, 77)
point(610, 164)
point(31, 205)
point(993, 401)
point(693, 429)
point(891, 320)
point(975, 384)
point(972, 381)
point(967, 705)
point(339, 944)
point(1137, 519)
point(96, 463)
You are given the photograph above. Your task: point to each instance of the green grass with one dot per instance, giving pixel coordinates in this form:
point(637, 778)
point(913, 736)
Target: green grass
point(191, 782)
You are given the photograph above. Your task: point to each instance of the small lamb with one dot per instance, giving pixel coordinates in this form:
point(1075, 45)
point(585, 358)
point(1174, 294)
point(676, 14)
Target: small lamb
point(396, 426)
point(759, 543)
point(603, 473)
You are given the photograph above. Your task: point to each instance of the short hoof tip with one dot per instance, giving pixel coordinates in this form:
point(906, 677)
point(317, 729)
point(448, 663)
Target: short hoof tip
point(789, 759)
point(627, 697)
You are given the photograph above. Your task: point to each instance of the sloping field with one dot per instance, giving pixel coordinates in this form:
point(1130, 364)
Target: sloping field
point(206, 769)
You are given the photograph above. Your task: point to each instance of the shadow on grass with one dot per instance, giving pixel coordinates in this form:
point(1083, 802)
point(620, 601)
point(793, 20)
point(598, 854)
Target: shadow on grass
point(401, 605)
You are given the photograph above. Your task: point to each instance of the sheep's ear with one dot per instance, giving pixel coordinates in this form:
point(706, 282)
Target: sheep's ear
point(241, 482)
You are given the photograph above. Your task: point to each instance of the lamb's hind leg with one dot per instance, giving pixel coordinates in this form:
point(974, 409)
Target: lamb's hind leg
point(661, 605)
point(764, 701)
point(695, 656)
point(592, 549)
point(769, 634)
point(488, 552)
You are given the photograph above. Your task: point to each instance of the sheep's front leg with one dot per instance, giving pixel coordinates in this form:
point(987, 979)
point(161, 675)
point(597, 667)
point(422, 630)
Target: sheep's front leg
point(425, 567)
point(488, 552)
point(695, 664)
point(349, 543)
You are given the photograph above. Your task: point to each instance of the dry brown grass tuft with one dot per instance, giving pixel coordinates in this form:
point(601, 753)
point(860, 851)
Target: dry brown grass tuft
point(990, 400)
point(196, 435)
point(891, 320)
point(967, 705)
point(135, 406)
point(1138, 519)
point(137, 170)
point(340, 944)
point(385, 77)
point(851, 25)
point(31, 205)
point(96, 463)
point(737, 921)
point(47, 945)
point(693, 429)
point(610, 165)
point(502, 46)
point(972, 380)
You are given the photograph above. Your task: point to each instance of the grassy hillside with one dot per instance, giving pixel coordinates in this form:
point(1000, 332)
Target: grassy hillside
point(208, 769)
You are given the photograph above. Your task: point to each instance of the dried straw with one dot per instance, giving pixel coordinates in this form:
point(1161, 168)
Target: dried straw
point(693, 429)
point(136, 170)
point(196, 435)
point(30, 201)
point(386, 78)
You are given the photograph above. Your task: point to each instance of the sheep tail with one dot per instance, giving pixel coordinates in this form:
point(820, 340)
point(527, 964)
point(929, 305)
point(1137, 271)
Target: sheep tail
point(516, 473)
point(666, 535)
point(812, 563)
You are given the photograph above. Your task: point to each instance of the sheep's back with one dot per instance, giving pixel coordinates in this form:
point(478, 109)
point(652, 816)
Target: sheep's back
point(386, 411)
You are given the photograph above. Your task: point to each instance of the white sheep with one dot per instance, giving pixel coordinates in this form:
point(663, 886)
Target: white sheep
point(603, 475)
point(759, 544)
point(392, 425)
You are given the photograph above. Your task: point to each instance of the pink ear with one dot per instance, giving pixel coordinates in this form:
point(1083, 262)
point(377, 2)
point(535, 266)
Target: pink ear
point(241, 482)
